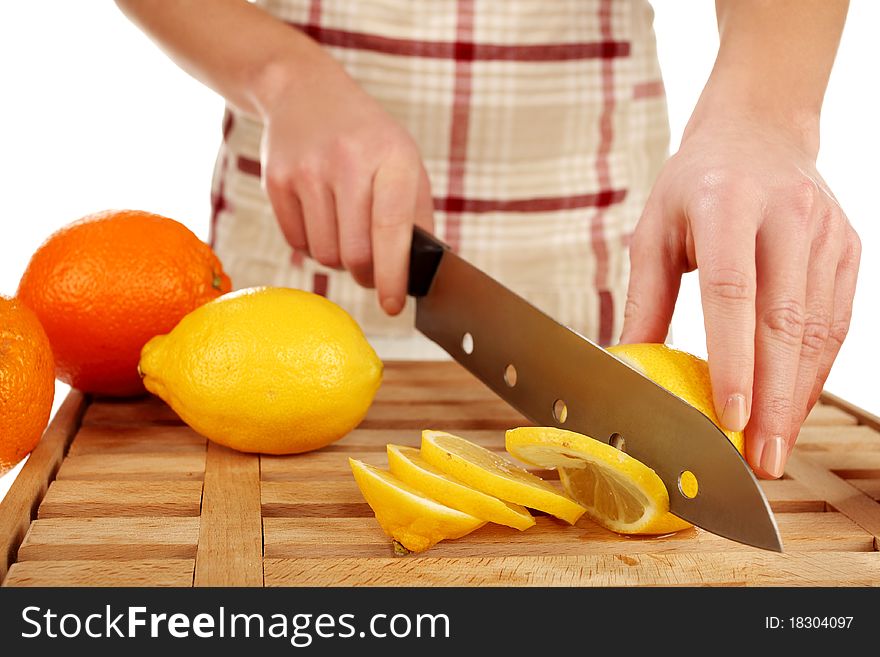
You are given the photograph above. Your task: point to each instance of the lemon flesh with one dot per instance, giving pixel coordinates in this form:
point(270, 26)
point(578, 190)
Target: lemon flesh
point(269, 370)
point(407, 465)
point(407, 515)
point(619, 492)
point(494, 475)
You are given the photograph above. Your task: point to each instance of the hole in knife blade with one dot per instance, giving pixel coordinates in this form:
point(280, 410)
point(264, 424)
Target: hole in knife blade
point(560, 411)
point(688, 485)
point(617, 442)
point(510, 375)
point(467, 343)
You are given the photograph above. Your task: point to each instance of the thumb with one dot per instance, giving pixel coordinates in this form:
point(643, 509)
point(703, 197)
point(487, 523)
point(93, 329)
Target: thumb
point(654, 281)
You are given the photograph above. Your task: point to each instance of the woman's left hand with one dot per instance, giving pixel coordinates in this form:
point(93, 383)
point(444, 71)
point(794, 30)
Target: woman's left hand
point(777, 258)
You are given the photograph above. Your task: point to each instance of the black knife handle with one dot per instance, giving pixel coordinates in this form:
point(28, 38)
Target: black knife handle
point(424, 258)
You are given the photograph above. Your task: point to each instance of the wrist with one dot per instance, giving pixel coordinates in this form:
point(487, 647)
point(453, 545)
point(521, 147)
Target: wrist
point(727, 101)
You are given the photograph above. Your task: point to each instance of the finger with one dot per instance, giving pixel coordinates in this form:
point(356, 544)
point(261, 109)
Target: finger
point(825, 256)
point(425, 204)
point(354, 197)
point(724, 243)
point(288, 212)
point(319, 214)
point(844, 291)
point(654, 281)
point(395, 201)
point(781, 259)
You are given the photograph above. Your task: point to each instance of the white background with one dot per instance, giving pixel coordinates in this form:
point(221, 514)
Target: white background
point(93, 116)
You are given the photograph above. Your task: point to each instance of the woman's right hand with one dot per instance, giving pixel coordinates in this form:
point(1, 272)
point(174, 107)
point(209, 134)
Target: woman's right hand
point(346, 181)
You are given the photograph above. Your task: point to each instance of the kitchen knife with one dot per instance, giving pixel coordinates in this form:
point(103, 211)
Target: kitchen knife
point(564, 380)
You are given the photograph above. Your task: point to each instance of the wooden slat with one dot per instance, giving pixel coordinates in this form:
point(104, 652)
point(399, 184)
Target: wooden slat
point(155, 572)
point(71, 499)
point(870, 487)
point(64, 539)
point(427, 373)
point(187, 466)
point(789, 496)
point(147, 410)
point(110, 441)
point(752, 568)
point(848, 438)
point(493, 414)
point(340, 498)
point(849, 465)
point(405, 392)
point(230, 537)
point(21, 501)
point(318, 465)
point(825, 415)
point(841, 495)
point(352, 537)
point(378, 439)
point(861, 415)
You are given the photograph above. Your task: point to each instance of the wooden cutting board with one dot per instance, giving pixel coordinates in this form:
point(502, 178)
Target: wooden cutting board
point(124, 494)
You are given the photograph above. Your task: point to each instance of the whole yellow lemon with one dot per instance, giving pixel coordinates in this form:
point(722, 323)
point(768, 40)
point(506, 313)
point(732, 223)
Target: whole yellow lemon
point(268, 370)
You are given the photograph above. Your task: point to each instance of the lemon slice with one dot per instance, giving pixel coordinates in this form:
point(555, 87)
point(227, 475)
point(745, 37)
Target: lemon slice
point(415, 521)
point(619, 492)
point(407, 465)
point(492, 474)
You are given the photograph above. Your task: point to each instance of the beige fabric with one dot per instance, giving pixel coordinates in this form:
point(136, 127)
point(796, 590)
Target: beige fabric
point(534, 131)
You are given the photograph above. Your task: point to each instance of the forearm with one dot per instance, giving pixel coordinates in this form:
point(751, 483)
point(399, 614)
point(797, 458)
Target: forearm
point(773, 63)
point(234, 47)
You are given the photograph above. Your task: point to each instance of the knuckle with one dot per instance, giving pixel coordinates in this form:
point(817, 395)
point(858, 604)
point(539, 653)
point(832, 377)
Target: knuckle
point(391, 220)
point(729, 284)
point(785, 322)
point(631, 309)
point(348, 150)
point(838, 330)
point(714, 186)
point(307, 173)
point(277, 179)
point(855, 245)
point(357, 258)
point(801, 198)
point(779, 408)
point(816, 332)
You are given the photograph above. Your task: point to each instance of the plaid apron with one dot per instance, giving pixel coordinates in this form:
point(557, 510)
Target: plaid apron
point(542, 126)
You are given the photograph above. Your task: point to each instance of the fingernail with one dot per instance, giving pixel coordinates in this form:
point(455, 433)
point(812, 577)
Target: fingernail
point(773, 456)
point(734, 416)
point(391, 306)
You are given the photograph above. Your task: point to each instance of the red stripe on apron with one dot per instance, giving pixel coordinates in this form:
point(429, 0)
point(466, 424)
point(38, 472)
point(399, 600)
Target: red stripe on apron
point(597, 225)
point(315, 13)
point(461, 101)
point(539, 52)
point(319, 284)
point(652, 89)
point(218, 200)
point(319, 281)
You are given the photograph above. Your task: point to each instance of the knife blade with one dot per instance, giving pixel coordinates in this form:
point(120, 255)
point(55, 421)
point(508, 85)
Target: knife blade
point(563, 379)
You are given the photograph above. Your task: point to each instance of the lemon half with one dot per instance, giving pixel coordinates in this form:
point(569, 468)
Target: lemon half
point(618, 492)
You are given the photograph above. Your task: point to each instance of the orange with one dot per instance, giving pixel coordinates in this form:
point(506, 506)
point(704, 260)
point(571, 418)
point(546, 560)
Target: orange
point(27, 382)
point(106, 284)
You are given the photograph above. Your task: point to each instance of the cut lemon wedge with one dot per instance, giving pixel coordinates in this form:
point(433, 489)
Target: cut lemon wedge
point(407, 465)
point(415, 521)
point(494, 475)
point(619, 492)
